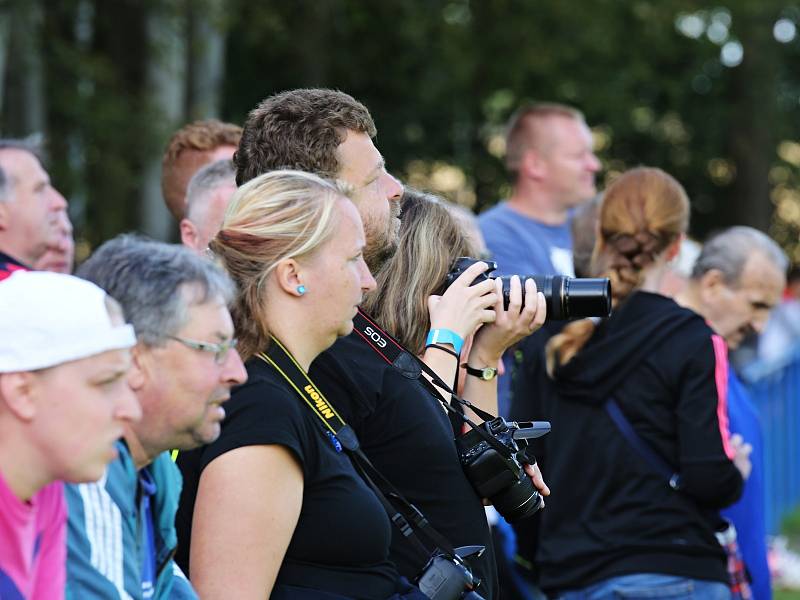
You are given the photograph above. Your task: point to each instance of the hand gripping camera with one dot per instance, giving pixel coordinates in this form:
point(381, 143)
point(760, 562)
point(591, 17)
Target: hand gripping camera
point(449, 577)
point(566, 297)
point(495, 470)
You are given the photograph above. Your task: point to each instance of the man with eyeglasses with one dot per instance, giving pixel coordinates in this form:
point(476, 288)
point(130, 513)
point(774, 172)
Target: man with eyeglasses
point(121, 529)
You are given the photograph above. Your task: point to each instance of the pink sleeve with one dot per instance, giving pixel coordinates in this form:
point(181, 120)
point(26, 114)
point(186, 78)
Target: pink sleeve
point(721, 378)
point(51, 572)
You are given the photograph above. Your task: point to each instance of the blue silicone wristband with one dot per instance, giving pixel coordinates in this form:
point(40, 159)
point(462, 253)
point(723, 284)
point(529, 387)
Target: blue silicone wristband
point(445, 336)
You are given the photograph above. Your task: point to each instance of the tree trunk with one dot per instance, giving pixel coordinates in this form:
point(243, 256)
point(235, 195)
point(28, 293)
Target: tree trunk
point(206, 58)
point(752, 139)
point(165, 80)
point(5, 30)
point(25, 99)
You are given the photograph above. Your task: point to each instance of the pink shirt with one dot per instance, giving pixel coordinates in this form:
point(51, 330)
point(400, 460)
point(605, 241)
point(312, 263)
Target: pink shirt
point(33, 547)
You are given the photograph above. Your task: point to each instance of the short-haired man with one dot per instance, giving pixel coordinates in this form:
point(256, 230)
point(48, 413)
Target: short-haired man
point(735, 283)
point(402, 428)
point(29, 207)
point(64, 401)
point(207, 197)
point(122, 528)
point(190, 148)
point(550, 158)
point(328, 133)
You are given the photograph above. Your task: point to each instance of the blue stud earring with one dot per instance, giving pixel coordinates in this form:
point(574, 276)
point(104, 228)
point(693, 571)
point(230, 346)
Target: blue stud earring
point(301, 289)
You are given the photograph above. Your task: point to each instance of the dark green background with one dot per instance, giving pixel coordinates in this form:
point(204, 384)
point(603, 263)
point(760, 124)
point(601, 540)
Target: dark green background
point(440, 77)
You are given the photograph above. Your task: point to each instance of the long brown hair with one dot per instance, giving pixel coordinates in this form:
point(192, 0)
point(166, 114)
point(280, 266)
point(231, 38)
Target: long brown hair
point(430, 241)
point(643, 211)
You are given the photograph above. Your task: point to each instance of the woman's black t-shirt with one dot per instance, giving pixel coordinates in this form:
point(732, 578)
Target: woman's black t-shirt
point(341, 541)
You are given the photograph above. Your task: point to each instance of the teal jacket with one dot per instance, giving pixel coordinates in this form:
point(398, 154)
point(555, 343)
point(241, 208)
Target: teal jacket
point(104, 533)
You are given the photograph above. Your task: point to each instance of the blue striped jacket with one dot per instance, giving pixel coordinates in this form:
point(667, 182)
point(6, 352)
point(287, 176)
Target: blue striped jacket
point(103, 536)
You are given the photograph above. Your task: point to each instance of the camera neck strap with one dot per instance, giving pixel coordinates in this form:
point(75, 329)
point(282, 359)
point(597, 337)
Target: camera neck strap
point(343, 437)
point(412, 367)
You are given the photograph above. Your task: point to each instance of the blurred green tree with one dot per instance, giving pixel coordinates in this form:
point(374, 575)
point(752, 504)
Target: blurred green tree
point(707, 92)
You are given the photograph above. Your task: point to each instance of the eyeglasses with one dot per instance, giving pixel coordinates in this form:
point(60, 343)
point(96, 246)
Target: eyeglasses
point(220, 350)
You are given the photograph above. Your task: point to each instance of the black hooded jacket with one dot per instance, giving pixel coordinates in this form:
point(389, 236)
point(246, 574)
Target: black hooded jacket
point(610, 512)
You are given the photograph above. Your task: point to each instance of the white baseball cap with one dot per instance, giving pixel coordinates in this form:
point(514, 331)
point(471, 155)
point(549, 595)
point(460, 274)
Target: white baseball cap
point(48, 318)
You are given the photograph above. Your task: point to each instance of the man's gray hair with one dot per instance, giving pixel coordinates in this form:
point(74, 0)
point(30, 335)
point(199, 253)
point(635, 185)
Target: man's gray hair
point(29, 145)
point(729, 250)
point(155, 283)
point(205, 181)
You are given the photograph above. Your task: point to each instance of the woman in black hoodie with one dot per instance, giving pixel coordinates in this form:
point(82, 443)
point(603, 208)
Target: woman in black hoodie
point(613, 526)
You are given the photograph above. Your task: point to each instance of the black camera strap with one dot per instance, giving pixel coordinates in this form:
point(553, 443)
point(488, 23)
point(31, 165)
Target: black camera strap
point(412, 367)
point(341, 433)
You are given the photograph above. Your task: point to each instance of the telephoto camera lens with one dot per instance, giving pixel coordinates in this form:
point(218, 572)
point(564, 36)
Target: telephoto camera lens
point(567, 297)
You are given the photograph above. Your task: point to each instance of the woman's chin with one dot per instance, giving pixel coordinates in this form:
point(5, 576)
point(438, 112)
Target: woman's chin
point(346, 329)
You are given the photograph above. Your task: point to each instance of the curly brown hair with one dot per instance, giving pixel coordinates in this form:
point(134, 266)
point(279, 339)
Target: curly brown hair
point(196, 137)
point(299, 129)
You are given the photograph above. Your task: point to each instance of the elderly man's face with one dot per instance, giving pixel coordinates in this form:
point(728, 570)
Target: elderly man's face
point(60, 255)
point(181, 388)
point(734, 311)
point(29, 219)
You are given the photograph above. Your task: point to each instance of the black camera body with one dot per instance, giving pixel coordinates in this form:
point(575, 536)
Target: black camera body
point(449, 577)
point(499, 476)
point(566, 297)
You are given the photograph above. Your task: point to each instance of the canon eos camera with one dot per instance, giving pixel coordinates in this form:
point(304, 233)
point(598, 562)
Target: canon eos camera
point(566, 297)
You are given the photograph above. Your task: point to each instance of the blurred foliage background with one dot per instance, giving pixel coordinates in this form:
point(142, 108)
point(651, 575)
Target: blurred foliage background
point(707, 92)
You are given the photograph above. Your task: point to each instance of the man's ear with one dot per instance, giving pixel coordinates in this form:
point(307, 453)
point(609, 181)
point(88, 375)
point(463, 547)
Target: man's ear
point(289, 276)
point(140, 363)
point(18, 392)
point(712, 284)
point(532, 164)
point(189, 234)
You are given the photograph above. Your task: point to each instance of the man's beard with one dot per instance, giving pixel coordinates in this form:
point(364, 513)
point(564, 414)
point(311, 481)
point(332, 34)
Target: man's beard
point(381, 244)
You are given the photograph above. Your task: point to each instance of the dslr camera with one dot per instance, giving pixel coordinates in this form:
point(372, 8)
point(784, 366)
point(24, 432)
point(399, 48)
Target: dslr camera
point(566, 297)
point(448, 577)
point(499, 476)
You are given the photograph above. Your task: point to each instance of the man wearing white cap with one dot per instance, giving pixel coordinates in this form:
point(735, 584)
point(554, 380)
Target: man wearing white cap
point(122, 529)
point(64, 401)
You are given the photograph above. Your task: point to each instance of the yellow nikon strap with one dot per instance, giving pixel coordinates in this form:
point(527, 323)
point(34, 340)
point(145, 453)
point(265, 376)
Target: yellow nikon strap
point(284, 363)
point(340, 432)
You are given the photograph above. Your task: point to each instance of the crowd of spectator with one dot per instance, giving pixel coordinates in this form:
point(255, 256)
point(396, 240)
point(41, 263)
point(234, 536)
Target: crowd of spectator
point(274, 407)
